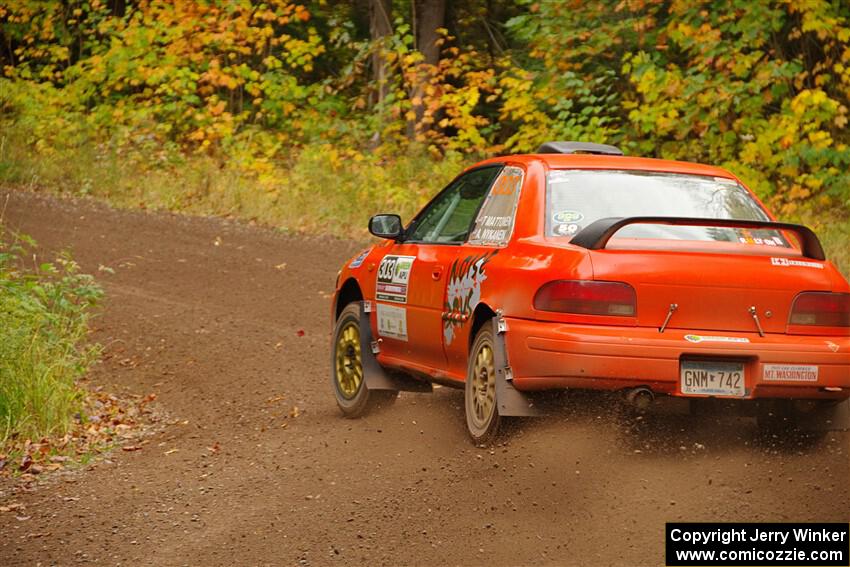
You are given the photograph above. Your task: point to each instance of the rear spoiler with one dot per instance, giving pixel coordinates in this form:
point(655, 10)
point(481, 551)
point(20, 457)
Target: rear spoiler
point(597, 234)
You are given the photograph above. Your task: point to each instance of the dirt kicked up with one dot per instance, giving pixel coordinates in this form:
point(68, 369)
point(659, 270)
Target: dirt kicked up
point(228, 325)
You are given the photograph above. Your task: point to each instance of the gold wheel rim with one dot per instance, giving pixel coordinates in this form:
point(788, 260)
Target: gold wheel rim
point(483, 385)
point(349, 364)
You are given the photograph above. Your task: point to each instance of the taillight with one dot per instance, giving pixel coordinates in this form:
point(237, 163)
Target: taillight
point(587, 298)
point(822, 309)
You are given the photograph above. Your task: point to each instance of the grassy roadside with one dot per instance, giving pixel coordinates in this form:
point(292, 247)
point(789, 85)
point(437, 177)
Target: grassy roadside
point(44, 313)
point(320, 190)
point(49, 415)
point(833, 228)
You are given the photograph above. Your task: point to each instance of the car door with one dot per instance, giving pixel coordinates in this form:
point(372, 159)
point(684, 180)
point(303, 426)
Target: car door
point(411, 279)
point(491, 232)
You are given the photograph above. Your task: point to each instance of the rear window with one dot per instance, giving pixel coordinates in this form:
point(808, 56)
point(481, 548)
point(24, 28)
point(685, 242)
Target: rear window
point(576, 198)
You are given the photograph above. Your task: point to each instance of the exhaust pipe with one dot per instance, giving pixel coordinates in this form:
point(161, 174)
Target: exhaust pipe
point(640, 398)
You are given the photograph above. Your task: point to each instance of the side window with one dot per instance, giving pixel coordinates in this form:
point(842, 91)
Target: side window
point(495, 221)
point(448, 218)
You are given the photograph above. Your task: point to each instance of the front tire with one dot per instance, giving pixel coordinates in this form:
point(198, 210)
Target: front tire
point(482, 415)
point(352, 395)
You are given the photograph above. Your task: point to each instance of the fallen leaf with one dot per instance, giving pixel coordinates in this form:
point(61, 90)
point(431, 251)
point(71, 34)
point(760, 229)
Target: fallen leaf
point(294, 412)
point(26, 463)
point(280, 266)
point(170, 451)
point(300, 332)
point(106, 420)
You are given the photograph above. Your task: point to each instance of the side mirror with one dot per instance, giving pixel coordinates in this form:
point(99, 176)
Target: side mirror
point(386, 226)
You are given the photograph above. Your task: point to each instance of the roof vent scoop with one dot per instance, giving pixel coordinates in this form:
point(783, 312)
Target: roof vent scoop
point(578, 148)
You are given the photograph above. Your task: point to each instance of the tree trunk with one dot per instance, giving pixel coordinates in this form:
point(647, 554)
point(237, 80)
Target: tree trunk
point(428, 17)
point(380, 26)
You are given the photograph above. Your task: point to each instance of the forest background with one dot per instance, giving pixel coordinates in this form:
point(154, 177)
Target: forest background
point(310, 116)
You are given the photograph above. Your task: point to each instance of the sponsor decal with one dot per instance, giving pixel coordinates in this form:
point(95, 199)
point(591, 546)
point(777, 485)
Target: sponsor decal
point(393, 278)
point(765, 242)
point(565, 229)
point(358, 261)
point(798, 263)
point(715, 339)
point(392, 322)
point(508, 183)
point(790, 373)
point(745, 236)
point(463, 292)
point(568, 217)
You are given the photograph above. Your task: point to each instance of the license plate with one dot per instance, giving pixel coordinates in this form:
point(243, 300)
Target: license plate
point(701, 378)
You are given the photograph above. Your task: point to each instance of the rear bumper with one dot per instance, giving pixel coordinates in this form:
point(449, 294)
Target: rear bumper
point(545, 355)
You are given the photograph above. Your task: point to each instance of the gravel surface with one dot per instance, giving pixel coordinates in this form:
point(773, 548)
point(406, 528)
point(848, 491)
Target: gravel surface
point(228, 324)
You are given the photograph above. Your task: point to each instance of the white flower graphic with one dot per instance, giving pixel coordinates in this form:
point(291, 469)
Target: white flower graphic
point(463, 293)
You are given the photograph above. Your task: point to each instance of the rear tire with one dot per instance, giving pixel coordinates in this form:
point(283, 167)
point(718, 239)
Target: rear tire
point(352, 395)
point(482, 415)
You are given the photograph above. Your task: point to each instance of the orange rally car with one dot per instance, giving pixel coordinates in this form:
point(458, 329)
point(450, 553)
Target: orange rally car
point(577, 267)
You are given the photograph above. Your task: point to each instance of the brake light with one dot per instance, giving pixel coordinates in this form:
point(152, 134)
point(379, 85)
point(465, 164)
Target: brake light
point(822, 309)
point(615, 299)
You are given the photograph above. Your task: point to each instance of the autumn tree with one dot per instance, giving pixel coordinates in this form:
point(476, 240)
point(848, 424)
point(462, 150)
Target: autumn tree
point(762, 88)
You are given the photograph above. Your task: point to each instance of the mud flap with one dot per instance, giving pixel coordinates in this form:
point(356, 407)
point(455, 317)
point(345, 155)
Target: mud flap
point(373, 373)
point(834, 417)
point(510, 401)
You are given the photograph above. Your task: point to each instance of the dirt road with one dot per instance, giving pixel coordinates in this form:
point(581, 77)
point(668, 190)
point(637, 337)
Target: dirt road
point(209, 315)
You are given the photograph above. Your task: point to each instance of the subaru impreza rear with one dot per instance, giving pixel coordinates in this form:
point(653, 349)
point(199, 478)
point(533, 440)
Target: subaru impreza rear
point(695, 291)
